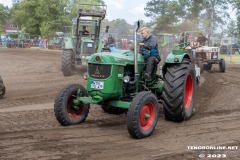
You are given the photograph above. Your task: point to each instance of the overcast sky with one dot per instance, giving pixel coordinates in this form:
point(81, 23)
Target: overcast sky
point(130, 10)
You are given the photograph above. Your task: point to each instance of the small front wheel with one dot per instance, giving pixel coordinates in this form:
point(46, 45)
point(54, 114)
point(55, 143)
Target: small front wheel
point(65, 111)
point(142, 115)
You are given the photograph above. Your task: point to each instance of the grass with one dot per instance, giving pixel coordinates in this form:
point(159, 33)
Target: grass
point(233, 59)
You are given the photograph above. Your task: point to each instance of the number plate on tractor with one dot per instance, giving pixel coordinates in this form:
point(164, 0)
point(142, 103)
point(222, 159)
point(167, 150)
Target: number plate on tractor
point(97, 85)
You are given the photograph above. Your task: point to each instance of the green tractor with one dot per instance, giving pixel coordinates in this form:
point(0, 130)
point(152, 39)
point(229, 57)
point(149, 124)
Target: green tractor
point(56, 41)
point(78, 47)
point(20, 40)
point(115, 81)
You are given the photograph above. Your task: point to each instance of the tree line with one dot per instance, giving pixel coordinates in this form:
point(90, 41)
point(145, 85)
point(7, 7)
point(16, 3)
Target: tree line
point(43, 17)
point(174, 16)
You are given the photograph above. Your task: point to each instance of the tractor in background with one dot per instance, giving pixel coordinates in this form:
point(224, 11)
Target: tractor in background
point(78, 47)
point(166, 42)
point(19, 40)
point(56, 41)
point(116, 83)
point(206, 55)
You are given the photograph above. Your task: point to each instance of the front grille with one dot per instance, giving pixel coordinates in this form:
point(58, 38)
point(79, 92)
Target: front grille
point(99, 71)
point(214, 55)
point(88, 48)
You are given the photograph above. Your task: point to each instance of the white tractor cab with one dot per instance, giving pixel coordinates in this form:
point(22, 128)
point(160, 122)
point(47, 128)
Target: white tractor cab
point(206, 53)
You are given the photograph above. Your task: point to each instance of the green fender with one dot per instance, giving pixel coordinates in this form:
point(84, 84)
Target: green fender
point(176, 56)
point(68, 43)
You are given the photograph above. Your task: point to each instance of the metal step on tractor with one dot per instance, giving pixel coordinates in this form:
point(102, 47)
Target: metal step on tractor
point(78, 46)
point(115, 81)
point(2, 88)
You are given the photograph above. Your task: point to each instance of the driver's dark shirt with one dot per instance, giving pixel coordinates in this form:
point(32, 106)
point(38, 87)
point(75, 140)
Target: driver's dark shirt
point(151, 44)
point(85, 33)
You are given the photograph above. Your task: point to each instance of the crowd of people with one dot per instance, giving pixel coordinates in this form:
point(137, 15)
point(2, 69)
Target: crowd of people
point(6, 41)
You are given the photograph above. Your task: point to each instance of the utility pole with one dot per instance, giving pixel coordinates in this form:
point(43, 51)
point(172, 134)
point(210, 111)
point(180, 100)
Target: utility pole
point(212, 20)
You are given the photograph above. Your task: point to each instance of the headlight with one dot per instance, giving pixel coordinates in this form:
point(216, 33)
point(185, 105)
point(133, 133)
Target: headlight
point(85, 75)
point(126, 79)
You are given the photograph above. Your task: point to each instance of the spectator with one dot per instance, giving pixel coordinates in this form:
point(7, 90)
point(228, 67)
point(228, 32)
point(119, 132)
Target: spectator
point(201, 39)
point(194, 44)
point(110, 40)
point(124, 43)
point(42, 44)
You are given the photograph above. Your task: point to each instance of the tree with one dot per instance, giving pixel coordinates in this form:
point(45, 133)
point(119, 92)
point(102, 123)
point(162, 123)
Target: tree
point(30, 14)
point(120, 26)
point(4, 15)
point(215, 13)
point(165, 13)
point(169, 15)
point(236, 5)
point(35, 14)
point(192, 9)
point(232, 28)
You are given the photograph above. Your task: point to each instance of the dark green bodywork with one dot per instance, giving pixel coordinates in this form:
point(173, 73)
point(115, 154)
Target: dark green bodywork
point(112, 90)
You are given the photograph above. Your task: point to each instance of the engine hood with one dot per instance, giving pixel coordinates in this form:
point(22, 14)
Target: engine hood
point(117, 57)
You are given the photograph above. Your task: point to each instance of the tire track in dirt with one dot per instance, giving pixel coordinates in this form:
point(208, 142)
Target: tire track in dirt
point(32, 132)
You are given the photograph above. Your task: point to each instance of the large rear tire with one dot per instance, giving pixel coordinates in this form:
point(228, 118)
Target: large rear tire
point(179, 91)
point(67, 65)
point(142, 115)
point(222, 65)
point(65, 113)
point(113, 110)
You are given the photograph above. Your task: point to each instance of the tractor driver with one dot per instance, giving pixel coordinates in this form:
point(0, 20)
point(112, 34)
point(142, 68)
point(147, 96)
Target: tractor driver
point(84, 32)
point(149, 50)
point(201, 39)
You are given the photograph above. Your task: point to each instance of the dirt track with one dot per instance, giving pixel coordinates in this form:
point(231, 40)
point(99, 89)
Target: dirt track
point(29, 130)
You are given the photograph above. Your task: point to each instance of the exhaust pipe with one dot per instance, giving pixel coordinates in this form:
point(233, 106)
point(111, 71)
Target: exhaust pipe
point(135, 55)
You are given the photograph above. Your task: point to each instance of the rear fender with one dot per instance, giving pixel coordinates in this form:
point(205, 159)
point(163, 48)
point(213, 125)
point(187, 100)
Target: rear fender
point(176, 58)
point(68, 43)
point(172, 59)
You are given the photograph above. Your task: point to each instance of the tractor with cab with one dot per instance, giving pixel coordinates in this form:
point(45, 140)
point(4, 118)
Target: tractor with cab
point(78, 47)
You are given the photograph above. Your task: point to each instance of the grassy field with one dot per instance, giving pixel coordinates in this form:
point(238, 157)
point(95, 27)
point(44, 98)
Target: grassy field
point(234, 59)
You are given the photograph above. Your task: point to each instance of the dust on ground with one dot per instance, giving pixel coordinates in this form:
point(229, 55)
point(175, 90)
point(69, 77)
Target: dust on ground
point(29, 130)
